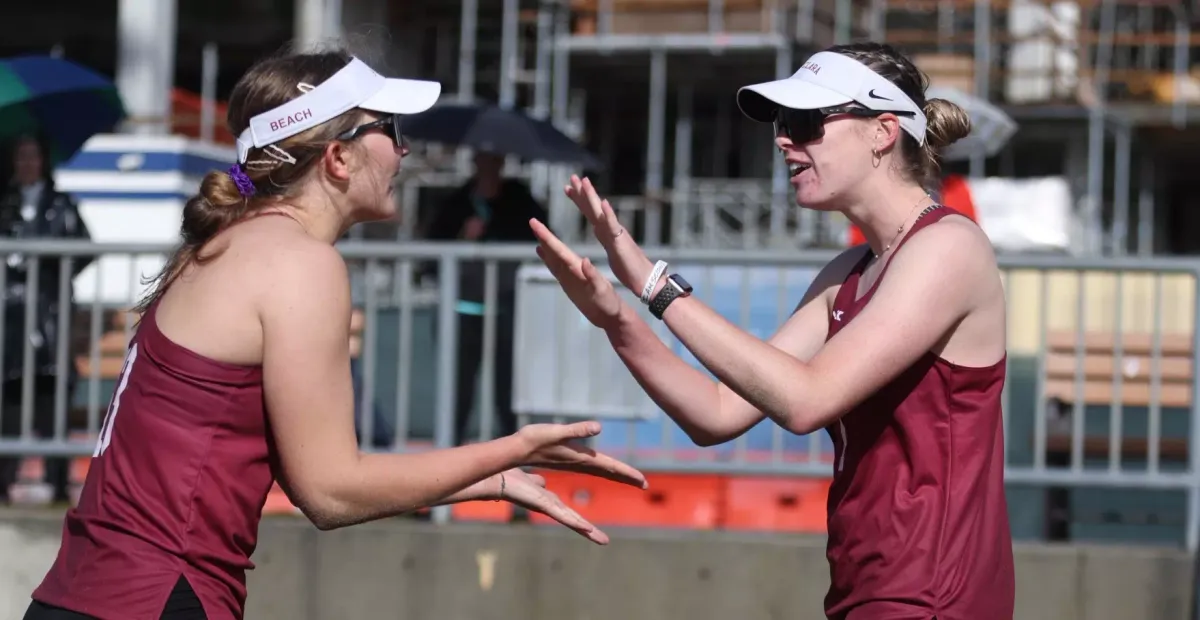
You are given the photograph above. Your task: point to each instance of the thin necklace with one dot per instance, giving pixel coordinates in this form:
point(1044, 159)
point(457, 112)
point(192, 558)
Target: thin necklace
point(901, 228)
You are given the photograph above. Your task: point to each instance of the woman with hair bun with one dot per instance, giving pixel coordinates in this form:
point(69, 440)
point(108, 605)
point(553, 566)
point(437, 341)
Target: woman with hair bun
point(897, 350)
point(239, 373)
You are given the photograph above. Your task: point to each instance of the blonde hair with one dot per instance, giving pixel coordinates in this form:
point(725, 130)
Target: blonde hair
point(947, 122)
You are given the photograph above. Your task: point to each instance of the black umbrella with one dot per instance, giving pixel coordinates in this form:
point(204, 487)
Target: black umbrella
point(490, 128)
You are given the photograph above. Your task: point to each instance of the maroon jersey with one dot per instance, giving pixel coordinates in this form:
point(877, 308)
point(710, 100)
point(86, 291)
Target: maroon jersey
point(918, 521)
point(176, 488)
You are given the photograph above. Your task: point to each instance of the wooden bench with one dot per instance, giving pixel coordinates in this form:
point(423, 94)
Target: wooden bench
point(1098, 363)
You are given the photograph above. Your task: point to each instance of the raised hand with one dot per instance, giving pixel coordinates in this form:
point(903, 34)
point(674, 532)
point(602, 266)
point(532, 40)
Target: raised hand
point(590, 291)
point(529, 491)
point(557, 446)
point(628, 261)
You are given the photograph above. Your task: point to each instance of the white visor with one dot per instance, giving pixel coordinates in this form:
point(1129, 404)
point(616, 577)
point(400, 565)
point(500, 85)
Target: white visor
point(354, 86)
point(829, 79)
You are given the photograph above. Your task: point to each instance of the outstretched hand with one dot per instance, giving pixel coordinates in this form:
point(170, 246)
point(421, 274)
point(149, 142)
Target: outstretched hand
point(628, 261)
point(584, 285)
point(529, 491)
point(558, 446)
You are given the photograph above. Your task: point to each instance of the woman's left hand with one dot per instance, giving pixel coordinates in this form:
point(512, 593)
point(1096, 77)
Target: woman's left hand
point(529, 491)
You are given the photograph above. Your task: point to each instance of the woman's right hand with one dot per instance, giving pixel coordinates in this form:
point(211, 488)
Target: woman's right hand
point(557, 446)
point(625, 257)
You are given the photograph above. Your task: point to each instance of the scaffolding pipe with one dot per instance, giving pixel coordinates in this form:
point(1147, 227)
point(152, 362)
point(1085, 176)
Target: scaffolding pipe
point(540, 181)
point(1096, 122)
point(563, 217)
point(1146, 180)
point(466, 51)
point(716, 16)
point(509, 54)
point(1119, 235)
point(843, 14)
point(1179, 109)
point(681, 206)
point(654, 146)
point(208, 92)
point(779, 172)
point(604, 19)
point(805, 13)
point(983, 78)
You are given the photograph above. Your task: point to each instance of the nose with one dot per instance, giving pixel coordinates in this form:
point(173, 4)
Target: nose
point(402, 148)
point(782, 142)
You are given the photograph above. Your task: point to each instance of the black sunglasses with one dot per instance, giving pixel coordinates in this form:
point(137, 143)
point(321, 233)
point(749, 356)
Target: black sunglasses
point(389, 125)
point(802, 126)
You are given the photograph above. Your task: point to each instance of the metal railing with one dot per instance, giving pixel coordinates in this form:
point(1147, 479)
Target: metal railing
point(1101, 390)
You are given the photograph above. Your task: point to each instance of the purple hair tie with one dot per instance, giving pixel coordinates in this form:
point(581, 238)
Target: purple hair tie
point(244, 184)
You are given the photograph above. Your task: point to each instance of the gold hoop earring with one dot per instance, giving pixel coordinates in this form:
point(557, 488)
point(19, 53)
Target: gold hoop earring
point(876, 157)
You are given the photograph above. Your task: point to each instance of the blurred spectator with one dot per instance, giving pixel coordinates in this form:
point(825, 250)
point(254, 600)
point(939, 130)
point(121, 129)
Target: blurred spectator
point(487, 208)
point(31, 207)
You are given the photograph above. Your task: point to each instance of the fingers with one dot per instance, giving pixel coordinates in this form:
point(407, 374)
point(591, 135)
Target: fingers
point(551, 242)
point(602, 466)
point(555, 509)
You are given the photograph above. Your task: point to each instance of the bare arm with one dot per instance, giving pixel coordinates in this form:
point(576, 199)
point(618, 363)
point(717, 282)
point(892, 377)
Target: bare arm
point(710, 412)
point(913, 310)
point(305, 312)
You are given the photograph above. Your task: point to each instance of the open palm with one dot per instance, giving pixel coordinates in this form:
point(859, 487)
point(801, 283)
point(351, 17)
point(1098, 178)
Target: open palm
point(529, 491)
point(629, 263)
point(584, 285)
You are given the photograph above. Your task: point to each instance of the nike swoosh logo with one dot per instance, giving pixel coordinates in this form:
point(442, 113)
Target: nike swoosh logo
point(872, 94)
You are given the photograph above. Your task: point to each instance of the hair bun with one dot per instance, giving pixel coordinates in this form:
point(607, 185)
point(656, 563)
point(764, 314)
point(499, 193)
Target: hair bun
point(947, 123)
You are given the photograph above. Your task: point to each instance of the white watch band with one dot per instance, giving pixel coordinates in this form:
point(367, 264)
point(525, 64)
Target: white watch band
point(652, 281)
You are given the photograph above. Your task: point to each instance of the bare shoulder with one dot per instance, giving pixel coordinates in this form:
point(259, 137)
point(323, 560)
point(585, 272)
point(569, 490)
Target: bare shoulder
point(955, 244)
point(287, 267)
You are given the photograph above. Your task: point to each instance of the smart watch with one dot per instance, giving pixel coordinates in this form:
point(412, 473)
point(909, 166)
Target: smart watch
point(675, 288)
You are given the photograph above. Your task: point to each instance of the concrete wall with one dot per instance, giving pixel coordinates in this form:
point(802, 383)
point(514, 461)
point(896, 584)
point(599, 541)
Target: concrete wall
point(404, 570)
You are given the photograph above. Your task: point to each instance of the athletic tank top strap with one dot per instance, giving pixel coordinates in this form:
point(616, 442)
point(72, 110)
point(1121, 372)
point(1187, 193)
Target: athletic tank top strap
point(847, 296)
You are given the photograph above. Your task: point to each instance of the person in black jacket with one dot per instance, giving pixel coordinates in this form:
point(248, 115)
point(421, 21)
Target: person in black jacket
point(487, 208)
point(31, 207)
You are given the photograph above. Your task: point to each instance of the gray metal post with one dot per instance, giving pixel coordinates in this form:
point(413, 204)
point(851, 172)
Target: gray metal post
point(655, 140)
point(1179, 109)
point(681, 210)
point(1119, 235)
point(604, 18)
point(508, 54)
point(466, 50)
point(983, 77)
point(1096, 120)
point(540, 181)
point(208, 92)
point(716, 16)
point(1146, 223)
point(842, 18)
point(563, 216)
point(779, 173)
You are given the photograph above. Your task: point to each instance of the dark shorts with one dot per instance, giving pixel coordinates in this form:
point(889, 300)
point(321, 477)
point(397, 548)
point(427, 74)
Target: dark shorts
point(182, 604)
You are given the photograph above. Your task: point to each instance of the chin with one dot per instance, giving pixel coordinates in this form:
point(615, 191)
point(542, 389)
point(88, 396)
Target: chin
point(815, 201)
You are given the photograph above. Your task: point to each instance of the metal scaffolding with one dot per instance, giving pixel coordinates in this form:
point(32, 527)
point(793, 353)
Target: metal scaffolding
point(689, 171)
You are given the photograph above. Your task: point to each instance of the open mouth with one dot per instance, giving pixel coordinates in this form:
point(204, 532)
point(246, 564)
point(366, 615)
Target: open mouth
point(794, 170)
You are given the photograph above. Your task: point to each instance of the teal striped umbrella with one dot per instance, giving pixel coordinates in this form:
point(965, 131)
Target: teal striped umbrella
point(60, 101)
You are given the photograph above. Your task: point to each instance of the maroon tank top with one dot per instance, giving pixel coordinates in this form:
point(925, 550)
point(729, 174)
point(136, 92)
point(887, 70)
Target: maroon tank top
point(918, 521)
point(176, 488)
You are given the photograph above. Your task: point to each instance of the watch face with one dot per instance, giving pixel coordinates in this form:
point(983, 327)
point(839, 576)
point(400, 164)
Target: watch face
point(681, 283)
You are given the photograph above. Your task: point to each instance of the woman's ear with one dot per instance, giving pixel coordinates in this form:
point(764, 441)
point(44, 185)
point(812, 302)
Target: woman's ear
point(336, 161)
point(887, 132)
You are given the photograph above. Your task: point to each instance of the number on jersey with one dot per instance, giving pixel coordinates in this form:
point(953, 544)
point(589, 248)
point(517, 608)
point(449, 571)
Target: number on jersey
point(110, 418)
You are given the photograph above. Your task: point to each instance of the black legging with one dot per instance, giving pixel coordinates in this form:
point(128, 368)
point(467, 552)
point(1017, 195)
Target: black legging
point(182, 604)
